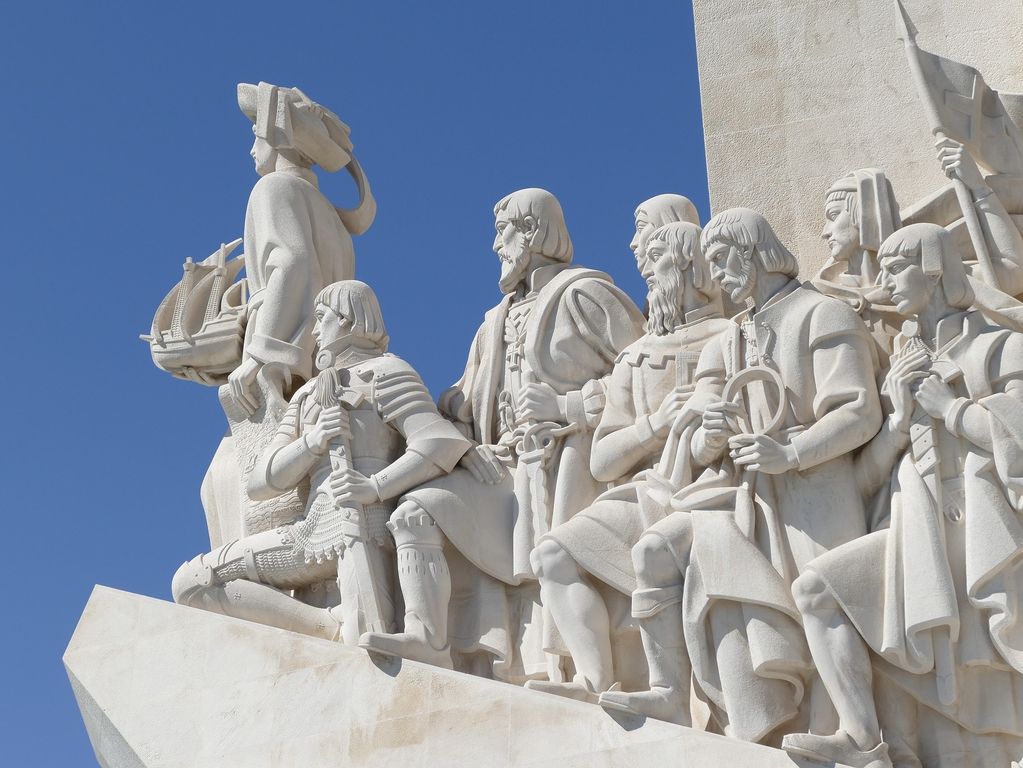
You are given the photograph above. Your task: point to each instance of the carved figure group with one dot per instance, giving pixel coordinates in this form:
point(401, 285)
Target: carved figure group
point(799, 524)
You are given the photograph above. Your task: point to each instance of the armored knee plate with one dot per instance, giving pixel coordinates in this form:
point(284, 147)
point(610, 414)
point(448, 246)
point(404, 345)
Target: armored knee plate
point(411, 525)
point(191, 578)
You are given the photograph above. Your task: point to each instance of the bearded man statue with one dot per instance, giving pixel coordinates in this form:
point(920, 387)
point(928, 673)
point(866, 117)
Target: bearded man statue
point(584, 565)
point(529, 399)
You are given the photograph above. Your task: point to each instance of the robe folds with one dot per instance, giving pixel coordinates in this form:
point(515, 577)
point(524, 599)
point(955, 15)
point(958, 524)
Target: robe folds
point(295, 245)
point(936, 591)
point(740, 545)
point(601, 537)
point(578, 325)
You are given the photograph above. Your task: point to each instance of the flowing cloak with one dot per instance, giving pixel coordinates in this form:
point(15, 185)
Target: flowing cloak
point(578, 325)
point(295, 245)
point(742, 627)
point(883, 320)
point(930, 594)
point(601, 537)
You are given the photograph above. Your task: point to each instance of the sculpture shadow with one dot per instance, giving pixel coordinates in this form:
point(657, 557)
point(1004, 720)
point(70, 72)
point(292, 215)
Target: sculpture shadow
point(626, 721)
point(389, 665)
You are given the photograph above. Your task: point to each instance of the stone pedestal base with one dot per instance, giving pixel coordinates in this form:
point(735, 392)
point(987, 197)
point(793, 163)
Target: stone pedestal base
point(163, 685)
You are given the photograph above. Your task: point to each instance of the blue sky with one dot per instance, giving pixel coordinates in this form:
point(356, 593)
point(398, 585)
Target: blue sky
point(125, 153)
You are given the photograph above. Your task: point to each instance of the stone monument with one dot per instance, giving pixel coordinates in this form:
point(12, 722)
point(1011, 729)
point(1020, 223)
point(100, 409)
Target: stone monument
point(768, 521)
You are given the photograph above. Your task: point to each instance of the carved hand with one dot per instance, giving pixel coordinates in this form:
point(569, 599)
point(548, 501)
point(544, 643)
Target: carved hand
point(662, 419)
point(331, 423)
point(935, 396)
point(956, 162)
point(761, 453)
point(354, 487)
point(242, 380)
point(899, 380)
point(483, 464)
point(719, 420)
point(538, 402)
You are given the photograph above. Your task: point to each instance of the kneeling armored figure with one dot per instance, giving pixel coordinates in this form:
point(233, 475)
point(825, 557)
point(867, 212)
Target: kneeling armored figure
point(361, 432)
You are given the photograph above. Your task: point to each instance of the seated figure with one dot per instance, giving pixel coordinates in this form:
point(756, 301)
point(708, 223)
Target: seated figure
point(360, 433)
point(712, 578)
point(585, 562)
point(530, 397)
point(927, 609)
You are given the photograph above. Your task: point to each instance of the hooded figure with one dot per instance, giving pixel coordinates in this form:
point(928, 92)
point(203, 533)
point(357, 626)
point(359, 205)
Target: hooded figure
point(860, 211)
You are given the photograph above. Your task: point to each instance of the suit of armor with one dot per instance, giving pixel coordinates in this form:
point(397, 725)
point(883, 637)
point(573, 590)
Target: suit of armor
point(397, 438)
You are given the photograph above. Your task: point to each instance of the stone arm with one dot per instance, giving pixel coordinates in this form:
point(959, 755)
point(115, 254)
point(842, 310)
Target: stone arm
point(994, 423)
point(622, 440)
point(286, 460)
point(846, 406)
point(874, 464)
point(434, 445)
point(1005, 243)
point(709, 381)
point(287, 274)
point(1003, 238)
point(595, 321)
point(455, 403)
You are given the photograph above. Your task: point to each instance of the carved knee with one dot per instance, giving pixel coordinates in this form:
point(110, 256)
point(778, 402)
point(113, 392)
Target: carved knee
point(410, 525)
point(654, 563)
point(191, 579)
point(811, 594)
point(550, 560)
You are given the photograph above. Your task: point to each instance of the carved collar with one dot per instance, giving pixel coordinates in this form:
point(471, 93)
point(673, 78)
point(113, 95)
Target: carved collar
point(539, 278)
point(306, 174)
point(702, 313)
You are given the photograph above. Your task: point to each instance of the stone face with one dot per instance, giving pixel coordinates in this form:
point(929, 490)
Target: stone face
point(797, 94)
point(165, 685)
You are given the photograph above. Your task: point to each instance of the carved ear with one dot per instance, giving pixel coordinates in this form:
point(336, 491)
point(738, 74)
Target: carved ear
point(529, 227)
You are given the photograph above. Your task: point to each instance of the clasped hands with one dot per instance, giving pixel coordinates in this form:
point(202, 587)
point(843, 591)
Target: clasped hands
point(759, 453)
point(910, 380)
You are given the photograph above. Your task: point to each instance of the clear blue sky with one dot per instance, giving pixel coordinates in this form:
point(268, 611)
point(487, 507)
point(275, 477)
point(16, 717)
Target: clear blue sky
point(125, 152)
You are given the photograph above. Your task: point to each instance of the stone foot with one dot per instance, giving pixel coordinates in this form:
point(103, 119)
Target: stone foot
point(407, 646)
point(659, 703)
point(571, 690)
point(839, 748)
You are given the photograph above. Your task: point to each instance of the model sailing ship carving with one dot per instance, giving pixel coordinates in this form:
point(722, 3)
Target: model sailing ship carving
point(199, 328)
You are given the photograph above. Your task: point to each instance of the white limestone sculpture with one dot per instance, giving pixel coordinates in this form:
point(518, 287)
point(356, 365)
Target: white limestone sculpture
point(860, 212)
point(931, 600)
point(362, 431)
point(713, 577)
point(296, 241)
point(199, 327)
point(961, 108)
point(654, 213)
point(529, 398)
point(254, 337)
point(584, 564)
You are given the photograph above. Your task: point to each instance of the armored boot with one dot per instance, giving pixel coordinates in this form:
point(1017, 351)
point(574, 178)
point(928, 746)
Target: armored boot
point(660, 622)
point(228, 581)
point(426, 585)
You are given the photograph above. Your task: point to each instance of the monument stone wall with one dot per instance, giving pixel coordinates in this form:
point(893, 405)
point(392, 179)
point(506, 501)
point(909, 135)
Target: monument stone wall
point(796, 94)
